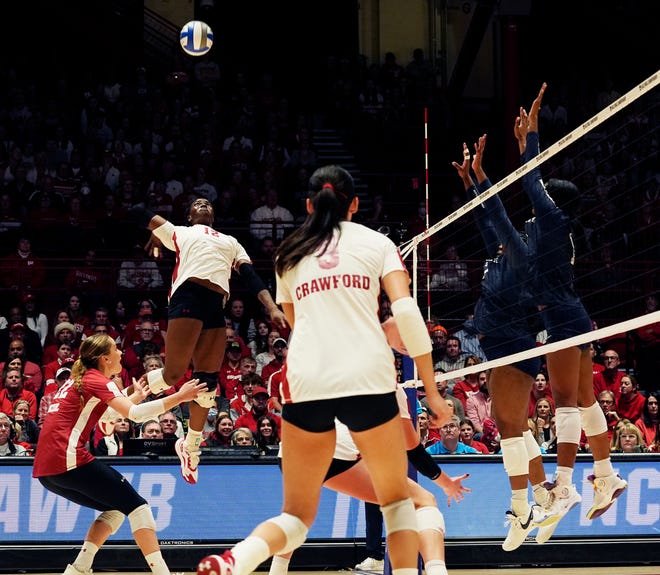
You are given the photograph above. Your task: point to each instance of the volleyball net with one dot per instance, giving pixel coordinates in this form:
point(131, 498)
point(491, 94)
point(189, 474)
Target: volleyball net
point(612, 156)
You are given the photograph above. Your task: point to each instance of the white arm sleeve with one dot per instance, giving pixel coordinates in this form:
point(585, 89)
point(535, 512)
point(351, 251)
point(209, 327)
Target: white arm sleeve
point(411, 326)
point(148, 410)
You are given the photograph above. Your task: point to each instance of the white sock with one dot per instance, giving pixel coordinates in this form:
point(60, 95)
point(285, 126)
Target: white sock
point(564, 475)
point(279, 565)
point(435, 567)
point(603, 468)
point(519, 503)
point(157, 563)
point(193, 439)
point(85, 556)
point(541, 494)
point(249, 554)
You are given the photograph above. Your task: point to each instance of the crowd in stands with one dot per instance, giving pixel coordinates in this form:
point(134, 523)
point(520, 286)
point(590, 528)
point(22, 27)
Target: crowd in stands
point(75, 156)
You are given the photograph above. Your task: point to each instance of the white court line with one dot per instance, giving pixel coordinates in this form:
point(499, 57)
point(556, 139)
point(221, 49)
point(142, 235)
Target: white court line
point(580, 131)
point(586, 337)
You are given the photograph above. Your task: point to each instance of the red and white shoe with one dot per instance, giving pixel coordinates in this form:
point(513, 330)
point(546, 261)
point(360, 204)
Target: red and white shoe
point(216, 564)
point(189, 460)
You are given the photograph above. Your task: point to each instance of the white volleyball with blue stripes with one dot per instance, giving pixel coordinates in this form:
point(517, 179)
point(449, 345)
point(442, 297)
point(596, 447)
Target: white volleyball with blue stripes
point(196, 38)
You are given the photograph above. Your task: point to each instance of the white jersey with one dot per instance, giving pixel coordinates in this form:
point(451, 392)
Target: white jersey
point(201, 252)
point(338, 347)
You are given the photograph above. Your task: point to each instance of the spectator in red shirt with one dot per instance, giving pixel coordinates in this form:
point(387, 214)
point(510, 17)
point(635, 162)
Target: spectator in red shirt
point(146, 312)
point(101, 317)
point(280, 349)
point(259, 408)
point(427, 435)
point(32, 376)
point(21, 270)
point(470, 385)
point(610, 377)
point(229, 375)
point(13, 389)
point(607, 402)
point(135, 353)
point(467, 436)
point(630, 404)
point(18, 330)
point(241, 404)
point(540, 389)
point(64, 332)
point(64, 355)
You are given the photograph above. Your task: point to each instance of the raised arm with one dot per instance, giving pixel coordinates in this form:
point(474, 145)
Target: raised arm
point(532, 182)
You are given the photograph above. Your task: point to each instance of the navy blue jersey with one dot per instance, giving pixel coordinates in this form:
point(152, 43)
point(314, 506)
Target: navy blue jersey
point(549, 239)
point(504, 307)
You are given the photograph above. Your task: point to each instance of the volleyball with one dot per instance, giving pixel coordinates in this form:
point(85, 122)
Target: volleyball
point(196, 38)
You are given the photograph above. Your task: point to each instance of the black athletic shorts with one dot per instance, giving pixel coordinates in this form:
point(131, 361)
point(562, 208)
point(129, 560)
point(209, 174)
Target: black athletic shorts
point(358, 413)
point(197, 302)
point(95, 485)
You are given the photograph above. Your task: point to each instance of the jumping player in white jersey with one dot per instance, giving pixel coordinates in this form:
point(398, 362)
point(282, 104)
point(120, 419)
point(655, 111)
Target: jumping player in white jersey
point(330, 273)
point(64, 465)
point(196, 324)
point(348, 474)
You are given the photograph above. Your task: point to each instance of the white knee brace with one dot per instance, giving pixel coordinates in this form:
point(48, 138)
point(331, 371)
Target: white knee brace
point(430, 518)
point(514, 456)
point(568, 425)
point(532, 447)
point(205, 399)
point(112, 518)
point(294, 530)
point(142, 518)
point(399, 516)
point(593, 420)
point(156, 381)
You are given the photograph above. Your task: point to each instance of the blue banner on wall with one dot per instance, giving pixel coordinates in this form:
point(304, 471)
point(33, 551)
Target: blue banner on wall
point(229, 500)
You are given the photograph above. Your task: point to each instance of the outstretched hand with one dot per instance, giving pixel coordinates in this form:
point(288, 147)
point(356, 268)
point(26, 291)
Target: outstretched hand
point(479, 149)
point(154, 247)
point(189, 390)
point(453, 487)
point(528, 122)
point(463, 168)
point(533, 119)
point(140, 389)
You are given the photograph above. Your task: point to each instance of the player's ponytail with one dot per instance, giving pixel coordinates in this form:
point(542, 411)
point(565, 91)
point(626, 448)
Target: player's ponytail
point(331, 191)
